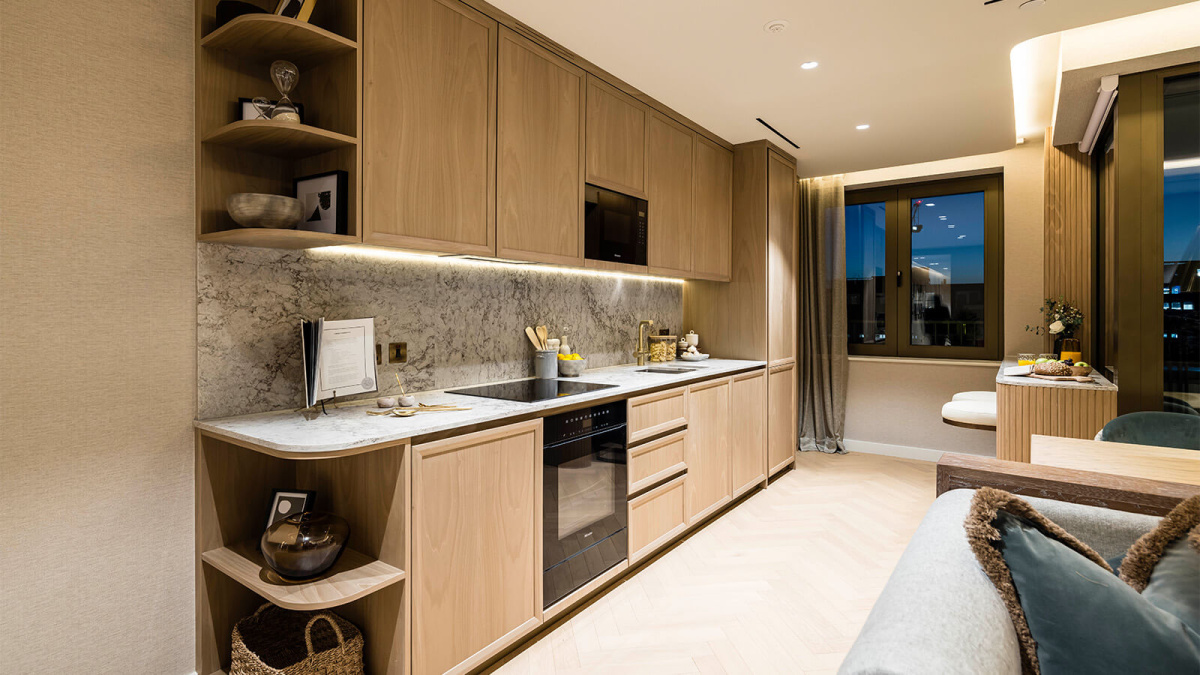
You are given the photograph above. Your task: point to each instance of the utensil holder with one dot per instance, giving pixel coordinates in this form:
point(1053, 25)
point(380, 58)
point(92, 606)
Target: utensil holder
point(545, 364)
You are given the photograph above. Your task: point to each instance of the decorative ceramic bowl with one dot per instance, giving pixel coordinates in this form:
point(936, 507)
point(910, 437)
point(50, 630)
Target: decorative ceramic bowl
point(256, 209)
point(571, 368)
point(305, 545)
point(1081, 371)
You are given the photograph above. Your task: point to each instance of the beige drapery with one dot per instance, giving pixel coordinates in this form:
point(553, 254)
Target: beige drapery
point(822, 362)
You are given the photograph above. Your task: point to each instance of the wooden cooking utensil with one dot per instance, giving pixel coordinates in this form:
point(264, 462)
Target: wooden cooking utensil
point(529, 332)
point(542, 334)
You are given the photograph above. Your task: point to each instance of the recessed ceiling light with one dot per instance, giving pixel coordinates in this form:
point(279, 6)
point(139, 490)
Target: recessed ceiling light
point(809, 65)
point(930, 204)
point(776, 26)
point(962, 236)
point(950, 227)
point(941, 217)
point(863, 127)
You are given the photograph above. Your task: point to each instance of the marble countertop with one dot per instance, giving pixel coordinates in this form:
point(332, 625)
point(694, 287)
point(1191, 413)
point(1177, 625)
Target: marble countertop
point(287, 432)
point(1099, 382)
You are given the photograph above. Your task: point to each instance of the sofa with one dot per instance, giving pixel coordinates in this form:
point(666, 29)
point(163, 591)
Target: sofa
point(939, 613)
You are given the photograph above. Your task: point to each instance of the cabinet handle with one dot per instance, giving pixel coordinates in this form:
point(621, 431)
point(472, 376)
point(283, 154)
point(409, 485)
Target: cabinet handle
point(899, 276)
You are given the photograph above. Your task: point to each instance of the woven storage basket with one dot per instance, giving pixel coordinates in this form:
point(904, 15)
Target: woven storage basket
point(276, 641)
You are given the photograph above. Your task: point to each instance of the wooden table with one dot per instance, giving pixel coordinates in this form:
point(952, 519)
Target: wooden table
point(1175, 465)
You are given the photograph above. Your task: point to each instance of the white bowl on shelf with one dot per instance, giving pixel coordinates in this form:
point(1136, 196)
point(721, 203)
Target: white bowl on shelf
point(693, 357)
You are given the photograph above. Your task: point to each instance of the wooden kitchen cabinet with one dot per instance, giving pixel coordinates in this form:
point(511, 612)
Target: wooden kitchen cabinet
point(708, 448)
point(429, 118)
point(670, 169)
point(650, 415)
point(748, 414)
point(782, 216)
point(616, 139)
point(712, 226)
point(781, 417)
point(539, 164)
point(477, 546)
point(657, 517)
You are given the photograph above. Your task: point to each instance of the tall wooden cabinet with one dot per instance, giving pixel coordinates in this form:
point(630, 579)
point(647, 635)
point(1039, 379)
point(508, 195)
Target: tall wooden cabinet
point(754, 315)
point(539, 166)
point(477, 547)
point(430, 126)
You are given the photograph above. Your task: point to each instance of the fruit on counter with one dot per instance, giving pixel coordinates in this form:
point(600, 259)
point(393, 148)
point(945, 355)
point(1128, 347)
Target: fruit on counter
point(569, 357)
point(1042, 361)
point(1082, 364)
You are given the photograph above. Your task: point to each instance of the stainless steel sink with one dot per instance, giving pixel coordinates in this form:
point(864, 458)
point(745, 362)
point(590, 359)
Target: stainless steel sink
point(666, 370)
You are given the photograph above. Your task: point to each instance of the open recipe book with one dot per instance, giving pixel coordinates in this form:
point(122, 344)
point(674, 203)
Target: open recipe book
point(339, 358)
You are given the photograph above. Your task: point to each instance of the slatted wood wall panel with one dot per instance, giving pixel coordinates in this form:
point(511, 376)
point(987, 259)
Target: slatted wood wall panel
point(1023, 410)
point(1070, 201)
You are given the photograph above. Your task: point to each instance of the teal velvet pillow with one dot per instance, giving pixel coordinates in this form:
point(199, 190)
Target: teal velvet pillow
point(1071, 613)
point(1164, 564)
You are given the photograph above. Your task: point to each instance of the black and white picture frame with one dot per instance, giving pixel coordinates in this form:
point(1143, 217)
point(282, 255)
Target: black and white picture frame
point(323, 197)
point(286, 503)
point(289, 8)
point(247, 111)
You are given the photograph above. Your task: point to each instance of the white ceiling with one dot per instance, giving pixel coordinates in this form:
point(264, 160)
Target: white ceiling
point(931, 77)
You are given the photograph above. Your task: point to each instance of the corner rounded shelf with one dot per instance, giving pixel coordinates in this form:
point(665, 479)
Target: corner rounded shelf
point(270, 238)
point(300, 42)
point(354, 576)
point(280, 139)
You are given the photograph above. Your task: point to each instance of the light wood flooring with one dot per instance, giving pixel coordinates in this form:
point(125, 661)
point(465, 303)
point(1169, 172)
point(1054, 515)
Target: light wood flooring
point(780, 584)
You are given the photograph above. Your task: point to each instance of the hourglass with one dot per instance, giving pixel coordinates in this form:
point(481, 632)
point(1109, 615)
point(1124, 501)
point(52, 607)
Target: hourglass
point(285, 75)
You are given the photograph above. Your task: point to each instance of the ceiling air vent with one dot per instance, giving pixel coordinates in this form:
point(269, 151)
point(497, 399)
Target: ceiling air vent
point(776, 132)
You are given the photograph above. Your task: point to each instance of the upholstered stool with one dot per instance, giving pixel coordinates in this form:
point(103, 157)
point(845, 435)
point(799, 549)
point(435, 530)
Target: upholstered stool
point(971, 410)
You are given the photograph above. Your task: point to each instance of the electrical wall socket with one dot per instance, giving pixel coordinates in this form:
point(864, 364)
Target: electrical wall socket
point(397, 352)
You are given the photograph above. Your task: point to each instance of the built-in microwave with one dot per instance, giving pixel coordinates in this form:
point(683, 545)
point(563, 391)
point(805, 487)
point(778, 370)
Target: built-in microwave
point(614, 226)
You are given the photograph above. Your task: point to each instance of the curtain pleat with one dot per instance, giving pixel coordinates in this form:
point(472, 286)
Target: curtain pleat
point(822, 360)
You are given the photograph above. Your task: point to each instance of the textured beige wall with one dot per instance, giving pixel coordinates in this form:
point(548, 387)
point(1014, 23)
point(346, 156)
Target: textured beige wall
point(900, 404)
point(97, 337)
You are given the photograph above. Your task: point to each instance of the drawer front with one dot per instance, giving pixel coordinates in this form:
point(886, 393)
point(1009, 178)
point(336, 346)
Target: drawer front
point(652, 462)
point(655, 518)
point(656, 413)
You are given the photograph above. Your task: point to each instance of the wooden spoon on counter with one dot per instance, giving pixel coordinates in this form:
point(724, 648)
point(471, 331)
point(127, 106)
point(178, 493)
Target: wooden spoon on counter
point(533, 337)
point(542, 334)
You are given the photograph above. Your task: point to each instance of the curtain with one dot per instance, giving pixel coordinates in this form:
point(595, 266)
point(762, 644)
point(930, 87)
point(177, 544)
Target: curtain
point(822, 363)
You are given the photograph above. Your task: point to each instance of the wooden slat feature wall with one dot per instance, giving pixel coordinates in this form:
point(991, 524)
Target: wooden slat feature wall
point(1070, 201)
point(1023, 410)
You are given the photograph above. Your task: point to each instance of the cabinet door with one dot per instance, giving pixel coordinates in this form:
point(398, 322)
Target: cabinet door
point(429, 124)
point(781, 260)
point(713, 218)
point(781, 417)
point(539, 166)
point(748, 410)
point(616, 139)
point(657, 517)
point(707, 450)
point(477, 546)
point(669, 158)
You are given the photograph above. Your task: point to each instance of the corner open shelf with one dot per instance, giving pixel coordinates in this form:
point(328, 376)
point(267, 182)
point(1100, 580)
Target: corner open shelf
point(278, 139)
point(282, 38)
point(269, 238)
point(353, 576)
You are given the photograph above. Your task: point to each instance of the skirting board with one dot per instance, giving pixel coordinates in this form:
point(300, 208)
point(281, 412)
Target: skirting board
point(905, 451)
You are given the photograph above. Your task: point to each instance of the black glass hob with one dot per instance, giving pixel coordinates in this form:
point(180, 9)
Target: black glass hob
point(531, 390)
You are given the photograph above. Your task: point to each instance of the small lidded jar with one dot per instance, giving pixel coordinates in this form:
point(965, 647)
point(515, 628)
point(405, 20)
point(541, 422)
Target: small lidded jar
point(662, 348)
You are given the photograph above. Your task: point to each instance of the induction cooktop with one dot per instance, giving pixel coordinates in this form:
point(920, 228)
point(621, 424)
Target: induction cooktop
point(531, 390)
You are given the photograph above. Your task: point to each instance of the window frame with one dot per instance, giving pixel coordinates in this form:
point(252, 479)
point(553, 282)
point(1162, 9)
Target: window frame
point(898, 257)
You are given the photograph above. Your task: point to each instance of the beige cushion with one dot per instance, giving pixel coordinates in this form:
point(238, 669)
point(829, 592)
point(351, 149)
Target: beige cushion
point(975, 396)
point(982, 413)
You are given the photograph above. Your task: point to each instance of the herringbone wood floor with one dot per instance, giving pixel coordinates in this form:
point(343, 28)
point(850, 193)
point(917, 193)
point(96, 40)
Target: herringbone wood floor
point(779, 584)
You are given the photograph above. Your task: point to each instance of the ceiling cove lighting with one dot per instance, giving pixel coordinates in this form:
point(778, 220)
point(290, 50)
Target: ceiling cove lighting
point(1104, 102)
point(809, 65)
point(863, 127)
point(387, 254)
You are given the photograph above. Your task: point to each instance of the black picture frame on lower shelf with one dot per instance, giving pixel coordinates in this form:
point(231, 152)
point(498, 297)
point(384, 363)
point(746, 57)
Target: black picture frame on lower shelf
point(324, 197)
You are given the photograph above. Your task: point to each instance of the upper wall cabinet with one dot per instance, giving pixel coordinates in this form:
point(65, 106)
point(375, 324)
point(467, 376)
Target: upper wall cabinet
point(430, 126)
point(616, 139)
point(713, 208)
point(670, 161)
point(539, 166)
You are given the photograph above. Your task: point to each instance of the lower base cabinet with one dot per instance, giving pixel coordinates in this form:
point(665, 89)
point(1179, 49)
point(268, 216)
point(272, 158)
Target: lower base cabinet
point(748, 417)
point(655, 518)
point(708, 449)
point(781, 420)
point(477, 551)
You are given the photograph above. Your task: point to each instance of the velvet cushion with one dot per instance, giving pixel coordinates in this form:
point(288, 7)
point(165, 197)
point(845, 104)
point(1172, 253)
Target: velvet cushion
point(1071, 614)
point(1164, 564)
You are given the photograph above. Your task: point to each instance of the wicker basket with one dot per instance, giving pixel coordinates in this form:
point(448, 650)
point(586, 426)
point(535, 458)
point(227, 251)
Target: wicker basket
point(276, 641)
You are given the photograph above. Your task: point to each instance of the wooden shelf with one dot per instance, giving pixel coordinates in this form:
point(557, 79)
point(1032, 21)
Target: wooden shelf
point(269, 238)
point(353, 576)
point(281, 139)
point(268, 36)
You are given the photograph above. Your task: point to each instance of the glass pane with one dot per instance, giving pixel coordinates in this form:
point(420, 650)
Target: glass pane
point(866, 246)
point(947, 270)
point(1181, 243)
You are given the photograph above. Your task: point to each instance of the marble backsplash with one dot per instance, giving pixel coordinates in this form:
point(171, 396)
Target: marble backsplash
point(463, 321)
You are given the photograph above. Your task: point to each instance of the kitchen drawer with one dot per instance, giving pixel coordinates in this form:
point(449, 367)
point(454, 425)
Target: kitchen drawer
point(656, 413)
point(655, 461)
point(656, 518)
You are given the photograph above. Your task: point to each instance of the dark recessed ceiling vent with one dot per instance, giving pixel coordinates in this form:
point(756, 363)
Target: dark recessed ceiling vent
point(776, 132)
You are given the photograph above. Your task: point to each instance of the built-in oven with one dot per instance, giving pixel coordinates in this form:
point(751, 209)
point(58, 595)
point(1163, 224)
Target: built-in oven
point(585, 497)
point(614, 226)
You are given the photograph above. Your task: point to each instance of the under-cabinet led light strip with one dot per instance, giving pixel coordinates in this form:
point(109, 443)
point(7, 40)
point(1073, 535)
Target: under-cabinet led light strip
point(392, 254)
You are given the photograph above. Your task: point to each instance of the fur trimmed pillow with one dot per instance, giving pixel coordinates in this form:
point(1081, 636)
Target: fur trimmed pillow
point(1070, 612)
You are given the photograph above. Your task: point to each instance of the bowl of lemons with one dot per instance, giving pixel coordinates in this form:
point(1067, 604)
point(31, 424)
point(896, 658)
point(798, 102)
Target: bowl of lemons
point(571, 365)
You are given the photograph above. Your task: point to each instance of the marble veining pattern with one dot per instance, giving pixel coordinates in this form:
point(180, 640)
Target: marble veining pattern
point(1098, 381)
point(463, 321)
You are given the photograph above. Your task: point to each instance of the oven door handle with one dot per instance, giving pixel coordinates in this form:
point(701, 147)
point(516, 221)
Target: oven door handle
point(607, 430)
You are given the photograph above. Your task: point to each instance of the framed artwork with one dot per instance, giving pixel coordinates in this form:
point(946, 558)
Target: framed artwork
point(324, 197)
point(286, 503)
